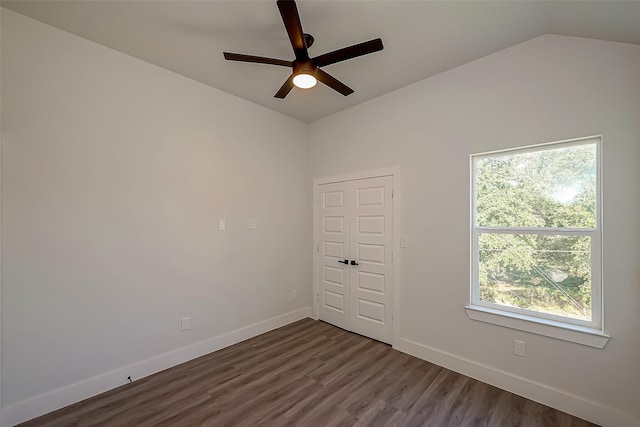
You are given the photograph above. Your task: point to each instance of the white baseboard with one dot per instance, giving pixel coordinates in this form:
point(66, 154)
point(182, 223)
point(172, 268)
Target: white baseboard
point(64, 396)
point(558, 399)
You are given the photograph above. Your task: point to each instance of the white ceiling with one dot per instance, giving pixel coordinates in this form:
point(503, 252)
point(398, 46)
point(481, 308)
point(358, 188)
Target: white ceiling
point(421, 38)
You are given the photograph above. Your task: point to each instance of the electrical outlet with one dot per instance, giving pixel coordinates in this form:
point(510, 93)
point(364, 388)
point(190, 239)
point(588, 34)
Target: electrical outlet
point(519, 348)
point(293, 295)
point(185, 323)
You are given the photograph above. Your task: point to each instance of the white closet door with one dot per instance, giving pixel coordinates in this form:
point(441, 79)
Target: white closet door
point(355, 256)
point(371, 251)
point(333, 254)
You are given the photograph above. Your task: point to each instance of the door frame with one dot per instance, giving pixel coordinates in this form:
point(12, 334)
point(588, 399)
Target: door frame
point(395, 230)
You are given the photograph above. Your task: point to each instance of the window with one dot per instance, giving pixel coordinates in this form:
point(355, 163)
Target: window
point(536, 236)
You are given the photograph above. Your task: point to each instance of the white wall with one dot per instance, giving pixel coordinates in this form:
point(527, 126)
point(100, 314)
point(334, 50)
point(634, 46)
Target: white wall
point(547, 89)
point(114, 175)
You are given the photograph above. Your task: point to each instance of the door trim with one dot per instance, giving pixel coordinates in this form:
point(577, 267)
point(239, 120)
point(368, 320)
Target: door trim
point(397, 256)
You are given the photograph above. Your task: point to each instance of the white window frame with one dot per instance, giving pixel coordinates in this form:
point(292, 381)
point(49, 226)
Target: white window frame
point(589, 333)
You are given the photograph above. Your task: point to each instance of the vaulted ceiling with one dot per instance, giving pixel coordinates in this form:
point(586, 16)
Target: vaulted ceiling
point(421, 38)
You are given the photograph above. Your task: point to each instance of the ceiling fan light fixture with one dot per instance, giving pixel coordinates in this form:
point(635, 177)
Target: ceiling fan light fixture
point(307, 70)
point(304, 80)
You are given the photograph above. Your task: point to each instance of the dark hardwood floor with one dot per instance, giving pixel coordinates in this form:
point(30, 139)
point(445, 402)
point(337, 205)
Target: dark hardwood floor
point(307, 373)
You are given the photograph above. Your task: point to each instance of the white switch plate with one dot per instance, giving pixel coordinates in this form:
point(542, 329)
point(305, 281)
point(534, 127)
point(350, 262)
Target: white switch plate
point(222, 224)
point(293, 295)
point(185, 323)
point(404, 242)
point(253, 224)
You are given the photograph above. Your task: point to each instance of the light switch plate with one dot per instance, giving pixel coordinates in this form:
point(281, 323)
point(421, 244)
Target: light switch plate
point(185, 324)
point(253, 224)
point(404, 242)
point(222, 224)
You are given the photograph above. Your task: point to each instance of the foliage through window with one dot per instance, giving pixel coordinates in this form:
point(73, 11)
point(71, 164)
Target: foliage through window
point(536, 234)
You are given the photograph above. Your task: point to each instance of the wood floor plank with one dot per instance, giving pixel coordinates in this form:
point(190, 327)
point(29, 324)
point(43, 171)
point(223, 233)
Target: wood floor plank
point(308, 373)
point(276, 414)
point(380, 413)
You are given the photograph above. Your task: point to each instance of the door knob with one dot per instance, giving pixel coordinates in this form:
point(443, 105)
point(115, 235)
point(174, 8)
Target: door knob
point(346, 261)
point(354, 263)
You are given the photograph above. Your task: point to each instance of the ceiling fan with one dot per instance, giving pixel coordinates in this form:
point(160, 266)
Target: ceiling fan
point(306, 70)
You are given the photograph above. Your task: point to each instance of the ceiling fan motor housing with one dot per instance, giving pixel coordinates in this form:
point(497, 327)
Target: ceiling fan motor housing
point(305, 67)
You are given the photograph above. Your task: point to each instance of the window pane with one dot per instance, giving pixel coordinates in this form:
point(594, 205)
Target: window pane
point(550, 188)
point(547, 274)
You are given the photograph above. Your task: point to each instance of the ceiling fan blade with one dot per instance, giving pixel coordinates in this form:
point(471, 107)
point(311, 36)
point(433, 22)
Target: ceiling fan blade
point(291, 20)
point(285, 89)
point(348, 52)
point(333, 83)
point(257, 59)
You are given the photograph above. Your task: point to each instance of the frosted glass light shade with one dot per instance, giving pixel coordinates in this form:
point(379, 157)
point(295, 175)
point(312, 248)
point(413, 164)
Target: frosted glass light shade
point(304, 81)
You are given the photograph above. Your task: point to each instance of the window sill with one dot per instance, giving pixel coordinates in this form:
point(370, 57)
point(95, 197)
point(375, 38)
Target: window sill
point(562, 331)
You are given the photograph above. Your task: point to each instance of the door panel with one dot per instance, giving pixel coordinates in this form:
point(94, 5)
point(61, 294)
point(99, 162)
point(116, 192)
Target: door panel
point(333, 224)
point(335, 250)
point(371, 246)
point(372, 311)
point(333, 275)
point(370, 196)
point(370, 225)
point(355, 224)
point(333, 301)
point(372, 282)
point(373, 254)
point(334, 279)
